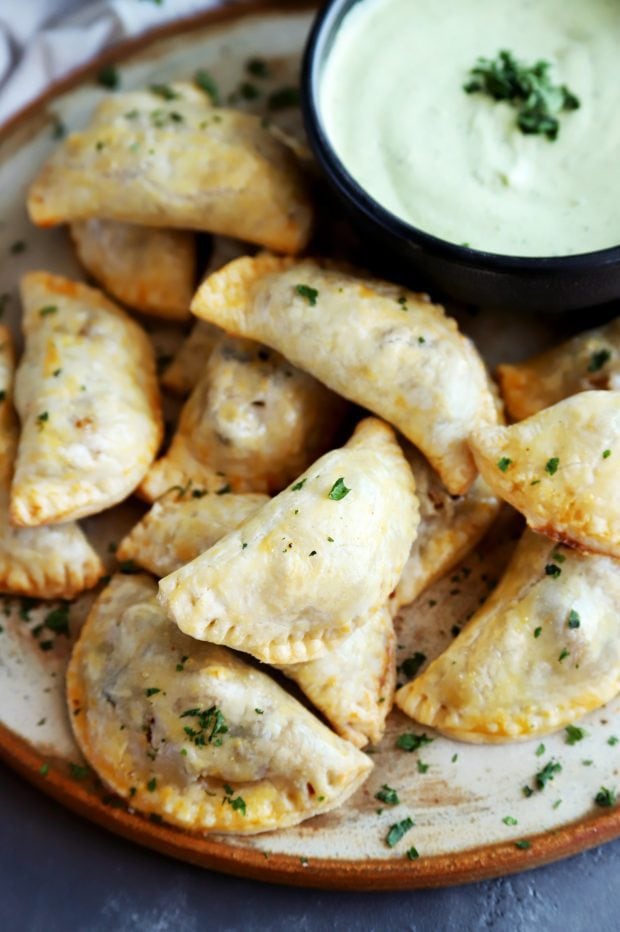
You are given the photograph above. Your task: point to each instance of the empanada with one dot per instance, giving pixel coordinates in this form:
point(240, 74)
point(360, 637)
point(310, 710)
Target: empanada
point(353, 684)
point(177, 163)
point(377, 344)
point(252, 423)
point(449, 528)
point(183, 524)
point(541, 652)
point(304, 572)
point(559, 468)
point(43, 563)
point(149, 270)
point(190, 732)
point(87, 396)
point(191, 358)
point(588, 360)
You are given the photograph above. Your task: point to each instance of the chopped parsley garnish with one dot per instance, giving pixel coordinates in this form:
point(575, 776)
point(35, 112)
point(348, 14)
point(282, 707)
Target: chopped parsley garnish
point(527, 791)
point(109, 77)
point(42, 418)
point(606, 798)
point(397, 831)
point(310, 294)
point(509, 820)
point(410, 666)
point(540, 750)
point(387, 795)
point(454, 758)
point(524, 844)
point(48, 309)
point(210, 725)
point(248, 91)
point(298, 485)
point(205, 81)
point(338, 490)
point(563, 654)
point(528, 88)
point(422, 767)
point(612, 741)
point(606, 454)
point(504, 463)
point(152, 785)
point(152, 691)
point(282, 98)
point(44, 769)
point(164, 91)
point(551, 466)
point(57, 620)
point(547, 773)
point(180, 667)
point(412, 742)
point(574, 734)
point(237, 803)
point(552, 570)
point(412, 853)
point(537, 632)
point(598, 360)
point(258, 68)
point(259, 711)
point(573, 619)
point(79, 771)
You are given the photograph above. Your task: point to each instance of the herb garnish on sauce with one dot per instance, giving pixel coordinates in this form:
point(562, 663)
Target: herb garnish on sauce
point(528, 88)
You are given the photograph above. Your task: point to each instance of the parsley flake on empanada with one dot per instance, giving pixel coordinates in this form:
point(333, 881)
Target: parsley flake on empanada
point(559, 468)
point(304, 572)
point(87, 397)
point(375, 343)
point(542, 651)
point(190, 732)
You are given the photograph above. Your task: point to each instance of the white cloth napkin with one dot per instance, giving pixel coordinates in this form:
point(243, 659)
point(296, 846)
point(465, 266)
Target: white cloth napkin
point(40, 40)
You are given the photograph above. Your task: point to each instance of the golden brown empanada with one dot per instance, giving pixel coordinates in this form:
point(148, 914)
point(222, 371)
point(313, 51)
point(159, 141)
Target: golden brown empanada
point(449, 528)
point(304, 572)
point(353, 683)
point(177, 163)
point(559, 468)
point(183, 524)
point(588, 360)
point(252, 423)
point(192, 733)
point(149, 270)
point(87, 396)
point(377, 344)
point(542, 651)
point(43, 563)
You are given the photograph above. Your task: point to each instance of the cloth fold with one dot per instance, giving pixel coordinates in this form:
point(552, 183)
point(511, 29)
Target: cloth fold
point(40, 40)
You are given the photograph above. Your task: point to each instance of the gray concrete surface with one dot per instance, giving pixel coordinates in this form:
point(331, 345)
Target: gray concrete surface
point(61, 874)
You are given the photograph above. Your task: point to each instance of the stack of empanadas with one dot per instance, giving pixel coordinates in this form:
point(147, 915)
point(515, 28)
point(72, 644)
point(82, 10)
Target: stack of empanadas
point(286, 528)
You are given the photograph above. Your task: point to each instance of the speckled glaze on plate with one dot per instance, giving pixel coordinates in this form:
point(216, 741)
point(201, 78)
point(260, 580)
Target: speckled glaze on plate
point(460, 801)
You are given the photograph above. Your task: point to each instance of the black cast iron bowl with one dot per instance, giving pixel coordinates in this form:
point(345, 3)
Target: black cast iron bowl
point(545, 285)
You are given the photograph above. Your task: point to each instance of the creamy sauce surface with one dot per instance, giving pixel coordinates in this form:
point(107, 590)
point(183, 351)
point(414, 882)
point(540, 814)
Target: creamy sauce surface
point(455, 164)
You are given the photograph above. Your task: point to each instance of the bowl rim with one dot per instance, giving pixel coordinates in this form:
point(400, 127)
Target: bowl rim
point(326, 23)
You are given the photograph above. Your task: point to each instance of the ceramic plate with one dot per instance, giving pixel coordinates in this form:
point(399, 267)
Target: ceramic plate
point(462, 798)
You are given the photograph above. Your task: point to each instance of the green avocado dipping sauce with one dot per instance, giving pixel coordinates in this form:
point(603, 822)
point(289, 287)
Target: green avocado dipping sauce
point(489, 123)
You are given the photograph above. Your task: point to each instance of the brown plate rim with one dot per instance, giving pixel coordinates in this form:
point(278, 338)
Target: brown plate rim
point(395, 873)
